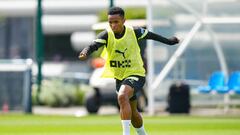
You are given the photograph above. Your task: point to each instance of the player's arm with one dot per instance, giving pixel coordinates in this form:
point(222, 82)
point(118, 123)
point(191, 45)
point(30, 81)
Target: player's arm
point(97, 43)
point(157, 37)
point(83, 55)
point(145, 34)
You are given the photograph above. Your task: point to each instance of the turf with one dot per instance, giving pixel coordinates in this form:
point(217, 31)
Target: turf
point(110, 125)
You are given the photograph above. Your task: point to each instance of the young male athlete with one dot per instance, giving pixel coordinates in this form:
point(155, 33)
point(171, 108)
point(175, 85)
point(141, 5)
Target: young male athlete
point(124, 63)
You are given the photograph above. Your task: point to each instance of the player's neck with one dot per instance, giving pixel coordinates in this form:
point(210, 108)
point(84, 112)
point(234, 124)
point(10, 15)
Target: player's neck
point(121, 33)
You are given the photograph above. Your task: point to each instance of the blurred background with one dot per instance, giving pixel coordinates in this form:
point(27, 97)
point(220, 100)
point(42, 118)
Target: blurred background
point(40, 41)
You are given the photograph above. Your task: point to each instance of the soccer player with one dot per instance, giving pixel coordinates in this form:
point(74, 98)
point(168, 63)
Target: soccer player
point(124, 63)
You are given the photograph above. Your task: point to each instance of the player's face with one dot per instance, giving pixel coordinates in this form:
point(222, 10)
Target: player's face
point(116, 23)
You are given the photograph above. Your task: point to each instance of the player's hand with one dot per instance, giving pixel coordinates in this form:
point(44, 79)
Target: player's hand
point(82, 56)
point(174, 40)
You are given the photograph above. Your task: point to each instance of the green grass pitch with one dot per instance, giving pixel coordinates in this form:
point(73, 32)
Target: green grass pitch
point(12, 124)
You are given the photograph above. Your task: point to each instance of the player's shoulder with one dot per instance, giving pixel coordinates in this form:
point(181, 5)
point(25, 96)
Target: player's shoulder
point(103, 34)
point(139, 31)
point(102, 37)
point(136, 28)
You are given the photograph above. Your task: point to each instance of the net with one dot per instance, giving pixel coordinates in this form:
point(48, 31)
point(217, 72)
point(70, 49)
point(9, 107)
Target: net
point(15, 85)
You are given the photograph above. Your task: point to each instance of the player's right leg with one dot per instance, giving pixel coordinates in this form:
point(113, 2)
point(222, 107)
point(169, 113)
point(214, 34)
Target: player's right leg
point(124, 94)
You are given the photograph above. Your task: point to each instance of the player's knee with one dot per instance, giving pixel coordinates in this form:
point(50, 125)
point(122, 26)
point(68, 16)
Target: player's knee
point(122, 98)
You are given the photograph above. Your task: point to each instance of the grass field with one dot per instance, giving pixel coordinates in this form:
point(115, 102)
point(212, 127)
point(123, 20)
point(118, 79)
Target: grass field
point(110, 125)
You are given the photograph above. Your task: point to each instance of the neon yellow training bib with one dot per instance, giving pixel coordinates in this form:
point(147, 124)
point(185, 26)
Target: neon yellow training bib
point(122, 56)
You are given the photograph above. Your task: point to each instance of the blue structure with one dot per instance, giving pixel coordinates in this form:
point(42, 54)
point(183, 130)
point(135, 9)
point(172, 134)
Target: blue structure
point(216, 83)
point(234, 83)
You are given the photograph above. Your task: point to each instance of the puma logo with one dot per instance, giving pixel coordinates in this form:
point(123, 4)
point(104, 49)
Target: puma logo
point(123, 53)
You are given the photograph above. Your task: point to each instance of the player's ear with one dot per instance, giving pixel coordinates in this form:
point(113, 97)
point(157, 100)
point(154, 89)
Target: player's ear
point(124, 20)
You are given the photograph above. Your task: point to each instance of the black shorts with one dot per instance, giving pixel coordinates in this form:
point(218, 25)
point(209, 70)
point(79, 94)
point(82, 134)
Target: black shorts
point(134, 81)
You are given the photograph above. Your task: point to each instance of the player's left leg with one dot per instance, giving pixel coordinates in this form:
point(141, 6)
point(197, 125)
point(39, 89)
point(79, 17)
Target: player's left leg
point(136, 119)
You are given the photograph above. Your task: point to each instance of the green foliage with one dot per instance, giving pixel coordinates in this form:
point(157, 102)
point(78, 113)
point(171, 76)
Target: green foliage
point(56, 93)
point(130, 13)
point(1, 17)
